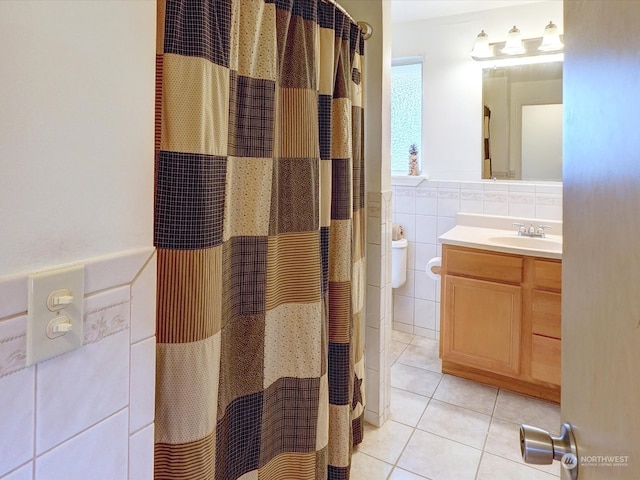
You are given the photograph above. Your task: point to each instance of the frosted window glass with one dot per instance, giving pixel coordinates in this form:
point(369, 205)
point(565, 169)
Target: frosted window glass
point(406, 114)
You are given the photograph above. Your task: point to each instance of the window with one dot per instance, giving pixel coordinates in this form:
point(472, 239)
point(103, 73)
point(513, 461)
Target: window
point(406, 112)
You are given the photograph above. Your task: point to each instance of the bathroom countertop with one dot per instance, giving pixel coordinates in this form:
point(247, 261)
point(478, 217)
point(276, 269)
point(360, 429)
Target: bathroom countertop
point(505, 241)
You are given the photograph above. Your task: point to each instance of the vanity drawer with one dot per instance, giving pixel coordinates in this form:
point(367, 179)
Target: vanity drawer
point(547, 275)
point(546, 314)
point(473, 263)
point(545, 359)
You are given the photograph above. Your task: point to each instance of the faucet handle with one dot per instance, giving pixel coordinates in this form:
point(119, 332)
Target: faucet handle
point(521, 228)
point(541, 229)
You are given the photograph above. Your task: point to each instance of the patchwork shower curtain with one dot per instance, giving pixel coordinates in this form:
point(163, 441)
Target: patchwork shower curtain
point(259, 229)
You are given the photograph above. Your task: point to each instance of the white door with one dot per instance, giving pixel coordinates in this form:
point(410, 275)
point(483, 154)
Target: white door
point(601, 262)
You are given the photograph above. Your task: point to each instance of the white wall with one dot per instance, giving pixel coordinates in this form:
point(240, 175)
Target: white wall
point(452, 101)
point(76, 186)
point(76, 130)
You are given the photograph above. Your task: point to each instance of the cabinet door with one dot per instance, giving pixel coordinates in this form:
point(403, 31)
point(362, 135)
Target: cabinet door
point(546, 313)
point(482, 324)
point(545, 359)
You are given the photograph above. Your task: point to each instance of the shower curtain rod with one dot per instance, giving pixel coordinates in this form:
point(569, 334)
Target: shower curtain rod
point(367, 29)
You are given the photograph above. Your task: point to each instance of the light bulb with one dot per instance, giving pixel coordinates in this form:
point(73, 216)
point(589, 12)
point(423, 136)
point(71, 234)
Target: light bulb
point(481, 49)
point(514, 43)
point(551, 39)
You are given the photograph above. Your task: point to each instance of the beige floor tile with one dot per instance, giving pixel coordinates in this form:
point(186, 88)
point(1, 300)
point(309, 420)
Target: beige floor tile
point(403, 337)
point(504, 441)
point(365, 467)
point(421, 357)
point(396, 350)
point(438, 458)
point(426, 343)
point(387, 442)
point(407, 407)
point(466, 393)
point(498, 468)
point(456, 423)
point(414, 380)
point(454, 420)
point(400, 474)
point(425, 333)
point(533, 411)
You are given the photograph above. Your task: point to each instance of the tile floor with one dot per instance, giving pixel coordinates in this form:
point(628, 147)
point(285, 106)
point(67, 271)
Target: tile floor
point(447, 428)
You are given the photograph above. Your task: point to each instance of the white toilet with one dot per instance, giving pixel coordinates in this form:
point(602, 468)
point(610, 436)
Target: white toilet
point(398, 262)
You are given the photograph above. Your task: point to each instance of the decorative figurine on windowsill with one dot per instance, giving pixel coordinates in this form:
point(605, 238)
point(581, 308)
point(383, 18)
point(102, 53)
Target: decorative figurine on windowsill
point(413, 160)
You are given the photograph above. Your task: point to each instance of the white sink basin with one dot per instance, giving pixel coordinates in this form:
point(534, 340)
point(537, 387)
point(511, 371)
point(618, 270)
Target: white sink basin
point(536, 243)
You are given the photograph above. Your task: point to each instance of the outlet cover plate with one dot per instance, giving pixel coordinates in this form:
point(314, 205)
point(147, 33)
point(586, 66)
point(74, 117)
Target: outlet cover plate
point(41, 285)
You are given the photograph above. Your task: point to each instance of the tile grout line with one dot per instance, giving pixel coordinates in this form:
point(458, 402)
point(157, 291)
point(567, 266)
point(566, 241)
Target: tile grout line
point(414, 428)
point(486, 438)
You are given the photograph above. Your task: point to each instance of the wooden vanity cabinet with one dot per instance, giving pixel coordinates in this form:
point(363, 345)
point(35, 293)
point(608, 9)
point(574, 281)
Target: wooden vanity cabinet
point(500, 320)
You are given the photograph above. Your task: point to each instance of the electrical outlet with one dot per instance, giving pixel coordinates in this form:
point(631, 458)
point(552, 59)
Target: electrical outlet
point(55, 316)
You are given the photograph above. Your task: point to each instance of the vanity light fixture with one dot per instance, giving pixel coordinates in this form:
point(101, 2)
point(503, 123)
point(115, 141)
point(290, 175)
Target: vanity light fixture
point(514, 43)
point(518, 51)
point(551, 39)
point(481, 49)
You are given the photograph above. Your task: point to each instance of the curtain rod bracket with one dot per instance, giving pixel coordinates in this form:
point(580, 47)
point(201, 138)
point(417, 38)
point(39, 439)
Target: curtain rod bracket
point(367, 30)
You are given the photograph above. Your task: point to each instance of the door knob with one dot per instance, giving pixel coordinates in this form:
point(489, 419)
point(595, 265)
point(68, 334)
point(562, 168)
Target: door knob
point(539, 447)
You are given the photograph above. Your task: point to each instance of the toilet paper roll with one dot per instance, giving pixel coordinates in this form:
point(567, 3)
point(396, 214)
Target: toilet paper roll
point(433, 266)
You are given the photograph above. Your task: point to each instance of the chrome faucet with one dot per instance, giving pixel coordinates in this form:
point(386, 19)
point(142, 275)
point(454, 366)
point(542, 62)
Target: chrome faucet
point(531, 231)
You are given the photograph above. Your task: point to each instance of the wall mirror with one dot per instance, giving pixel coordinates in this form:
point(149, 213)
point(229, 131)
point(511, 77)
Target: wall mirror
point(522, 108)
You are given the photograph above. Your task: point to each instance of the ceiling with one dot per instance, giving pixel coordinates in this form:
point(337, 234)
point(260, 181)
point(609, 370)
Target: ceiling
point(403, 11)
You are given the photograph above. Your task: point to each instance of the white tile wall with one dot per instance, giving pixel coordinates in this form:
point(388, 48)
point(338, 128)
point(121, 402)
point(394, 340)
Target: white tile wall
point(378, 309)
point(142, 384)
point(17, 397)
point(23, 473)
point(85, 455)
point(141, 454)
point(67, 400)
point(429, 210)
point(13, 347)
point(143, 312)
point(58, 416)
